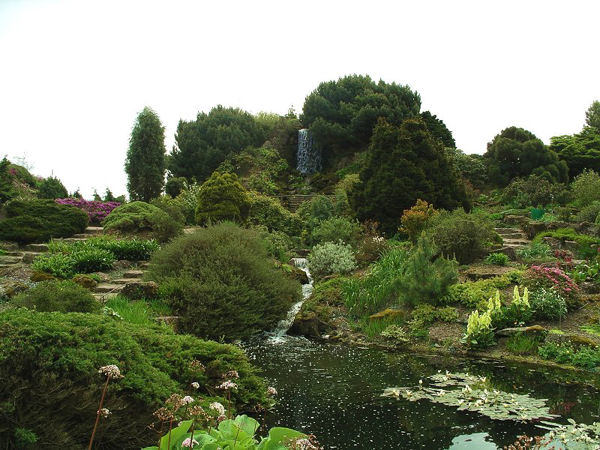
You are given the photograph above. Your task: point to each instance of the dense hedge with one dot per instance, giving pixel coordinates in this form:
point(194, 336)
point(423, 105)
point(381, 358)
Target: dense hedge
point(50, 383)
point(40, 220)
point(222, 283)
point(142, 218)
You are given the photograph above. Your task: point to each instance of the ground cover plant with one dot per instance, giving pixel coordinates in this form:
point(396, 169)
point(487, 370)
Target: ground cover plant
point(222, 283)
point(54, 358)
point(61, 296)
point(142, 219)
point(40, 220)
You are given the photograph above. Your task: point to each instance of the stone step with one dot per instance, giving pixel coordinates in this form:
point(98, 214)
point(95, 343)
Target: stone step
point(144, 265)
point(502, 231)
point(94, 230)
point(133, 274)
point(125, 280)
point(12, 253)
point(80, 236)
point(10, 259)
point(108, 287)
point(104, 297)
point(39, 248)
point(516, 242)
point(6, 266)
point(522, 236)
point(72, 239)
point(28, 257)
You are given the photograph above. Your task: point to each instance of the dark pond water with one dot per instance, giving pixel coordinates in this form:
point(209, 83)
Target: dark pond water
point(334, 392)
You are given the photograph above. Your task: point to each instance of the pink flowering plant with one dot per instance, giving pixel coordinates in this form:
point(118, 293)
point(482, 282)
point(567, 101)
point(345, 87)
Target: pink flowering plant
point(553, 277)
point(96, 210)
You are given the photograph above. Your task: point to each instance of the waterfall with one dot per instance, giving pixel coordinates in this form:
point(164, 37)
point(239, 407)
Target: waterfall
point(309, 155)
point(284, 324)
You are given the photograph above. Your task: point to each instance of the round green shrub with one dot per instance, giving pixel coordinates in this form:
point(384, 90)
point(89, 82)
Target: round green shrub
point(61, 296)
point(222, 283)
point(336, 229)
point(462, 236)
point(331, 258)
point(586, 188)
point(175, 185)
point(222, 197)
point(171, 207)
point(50, 383)
point(40, 220)
point(142, 218)
point(52, 188)
point(589, 213)
point(269, 212)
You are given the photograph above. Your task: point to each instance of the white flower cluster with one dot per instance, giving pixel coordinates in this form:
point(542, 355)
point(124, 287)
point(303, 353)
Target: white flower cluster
point(111, 371)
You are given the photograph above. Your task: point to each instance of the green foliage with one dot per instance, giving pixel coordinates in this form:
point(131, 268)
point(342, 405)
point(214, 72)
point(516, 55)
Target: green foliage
point(331, 258)
point(536, 251)
point(175, 185)
point(260, 169)
point(580, 151)
point(479, 330)
point(24, 438)
point(140, 312)
point(342, 113)
point(171, 206)
point(203, 144)
point(120, 249)
point(414, 220)
point(377, 289)
point(269, 212)
point(563, 353)
point(425, 276)
point(462, 236)
point(438, 129)
point(424, 315)
point(470, 167)
point(586, 188)
point(395, 335)
point(589, 213)
point(587, 271)
point(336, 229)
point(40, 220)
point(518, 313)
point(497, 259)
point(586, 245)
point(523, 344)
point(187, 201)
point(220, 198)
point(52, 188)
point(475, 294)
point(54, 358)
point(592, 115)
point(531, 191)
point(548, 304)
point(82, 260)
point(145, 163)
point(313, 212)
point(142, 218)
point(404, 164)
point(516, 152)
point(15, 182)
point(238, 433)
point(222, 283)
point(61, 296)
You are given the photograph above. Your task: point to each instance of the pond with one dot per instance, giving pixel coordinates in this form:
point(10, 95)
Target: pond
point(334, 392)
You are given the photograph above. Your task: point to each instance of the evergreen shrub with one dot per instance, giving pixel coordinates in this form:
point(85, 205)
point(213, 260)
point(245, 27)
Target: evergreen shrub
point(222, 283)
point(50, 383)
point(61, 296)
point(142, 218)
point(331, 258)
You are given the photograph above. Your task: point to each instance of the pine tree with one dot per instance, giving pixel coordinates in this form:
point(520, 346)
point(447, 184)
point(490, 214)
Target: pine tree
point(145, 164)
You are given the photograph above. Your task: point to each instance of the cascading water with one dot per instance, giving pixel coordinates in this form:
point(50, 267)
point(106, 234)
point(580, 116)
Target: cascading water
point(308, 155)
point(284, 325)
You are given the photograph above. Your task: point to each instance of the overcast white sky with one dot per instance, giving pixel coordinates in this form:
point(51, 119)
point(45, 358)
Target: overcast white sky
point(75, 73)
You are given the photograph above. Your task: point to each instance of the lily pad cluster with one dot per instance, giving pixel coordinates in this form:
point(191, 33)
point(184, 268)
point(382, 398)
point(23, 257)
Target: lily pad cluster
point(474, 393)
point(574, 436)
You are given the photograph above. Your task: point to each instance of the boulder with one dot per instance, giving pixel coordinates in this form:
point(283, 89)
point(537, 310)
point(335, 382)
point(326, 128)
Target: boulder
point(140, 289)
point(533, 329)
point(122, 264)
point(85, 280)
point(387, 314)
point(41, 276)
point(11, 288)
point(309, 325)
point(299, 274)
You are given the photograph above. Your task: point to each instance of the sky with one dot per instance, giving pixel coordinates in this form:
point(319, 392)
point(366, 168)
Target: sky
point(74, 74)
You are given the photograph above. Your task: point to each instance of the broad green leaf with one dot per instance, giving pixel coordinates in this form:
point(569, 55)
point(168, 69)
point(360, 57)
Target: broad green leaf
point(178, 434)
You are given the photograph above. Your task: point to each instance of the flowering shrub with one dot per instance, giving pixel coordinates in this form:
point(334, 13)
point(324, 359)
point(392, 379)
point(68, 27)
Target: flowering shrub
point(548, 304)
point(552, 277)
point(517, 313)
point(96, 210)
point(330, 258)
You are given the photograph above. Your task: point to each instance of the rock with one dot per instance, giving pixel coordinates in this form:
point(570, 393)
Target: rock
point(589, 287)
point(86, 281)
point(554, 243)
point(515, 220)
point(104, 278)
point(508, 251)
point(122, 264)
point(10, 288)
point(570, 246)
point(28, 257)
point(387, 314)
point(532, 229)
point(577, 340)
point(299, 274)
point(41, 276)
point(309, 325)
point(533, 329)
point(587, 228)
point(140, 289)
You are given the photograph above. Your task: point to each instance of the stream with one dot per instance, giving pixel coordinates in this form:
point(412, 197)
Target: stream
point(334, 392)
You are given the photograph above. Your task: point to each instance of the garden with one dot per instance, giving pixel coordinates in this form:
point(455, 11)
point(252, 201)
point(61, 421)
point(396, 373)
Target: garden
point(421, 281)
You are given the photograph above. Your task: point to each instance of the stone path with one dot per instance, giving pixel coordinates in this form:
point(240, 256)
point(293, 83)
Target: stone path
point(513, 239)
point(107, 290)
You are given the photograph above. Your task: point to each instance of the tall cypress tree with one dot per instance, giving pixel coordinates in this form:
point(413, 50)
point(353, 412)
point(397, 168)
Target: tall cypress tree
point(404, 164)
point(145, 164)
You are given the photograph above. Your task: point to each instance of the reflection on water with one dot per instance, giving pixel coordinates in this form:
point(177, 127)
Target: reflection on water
point(334, 392)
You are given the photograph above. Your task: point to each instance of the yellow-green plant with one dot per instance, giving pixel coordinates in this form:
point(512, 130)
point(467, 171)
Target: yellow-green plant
point(521, 302)
point(479, 330)
point(494, 303)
